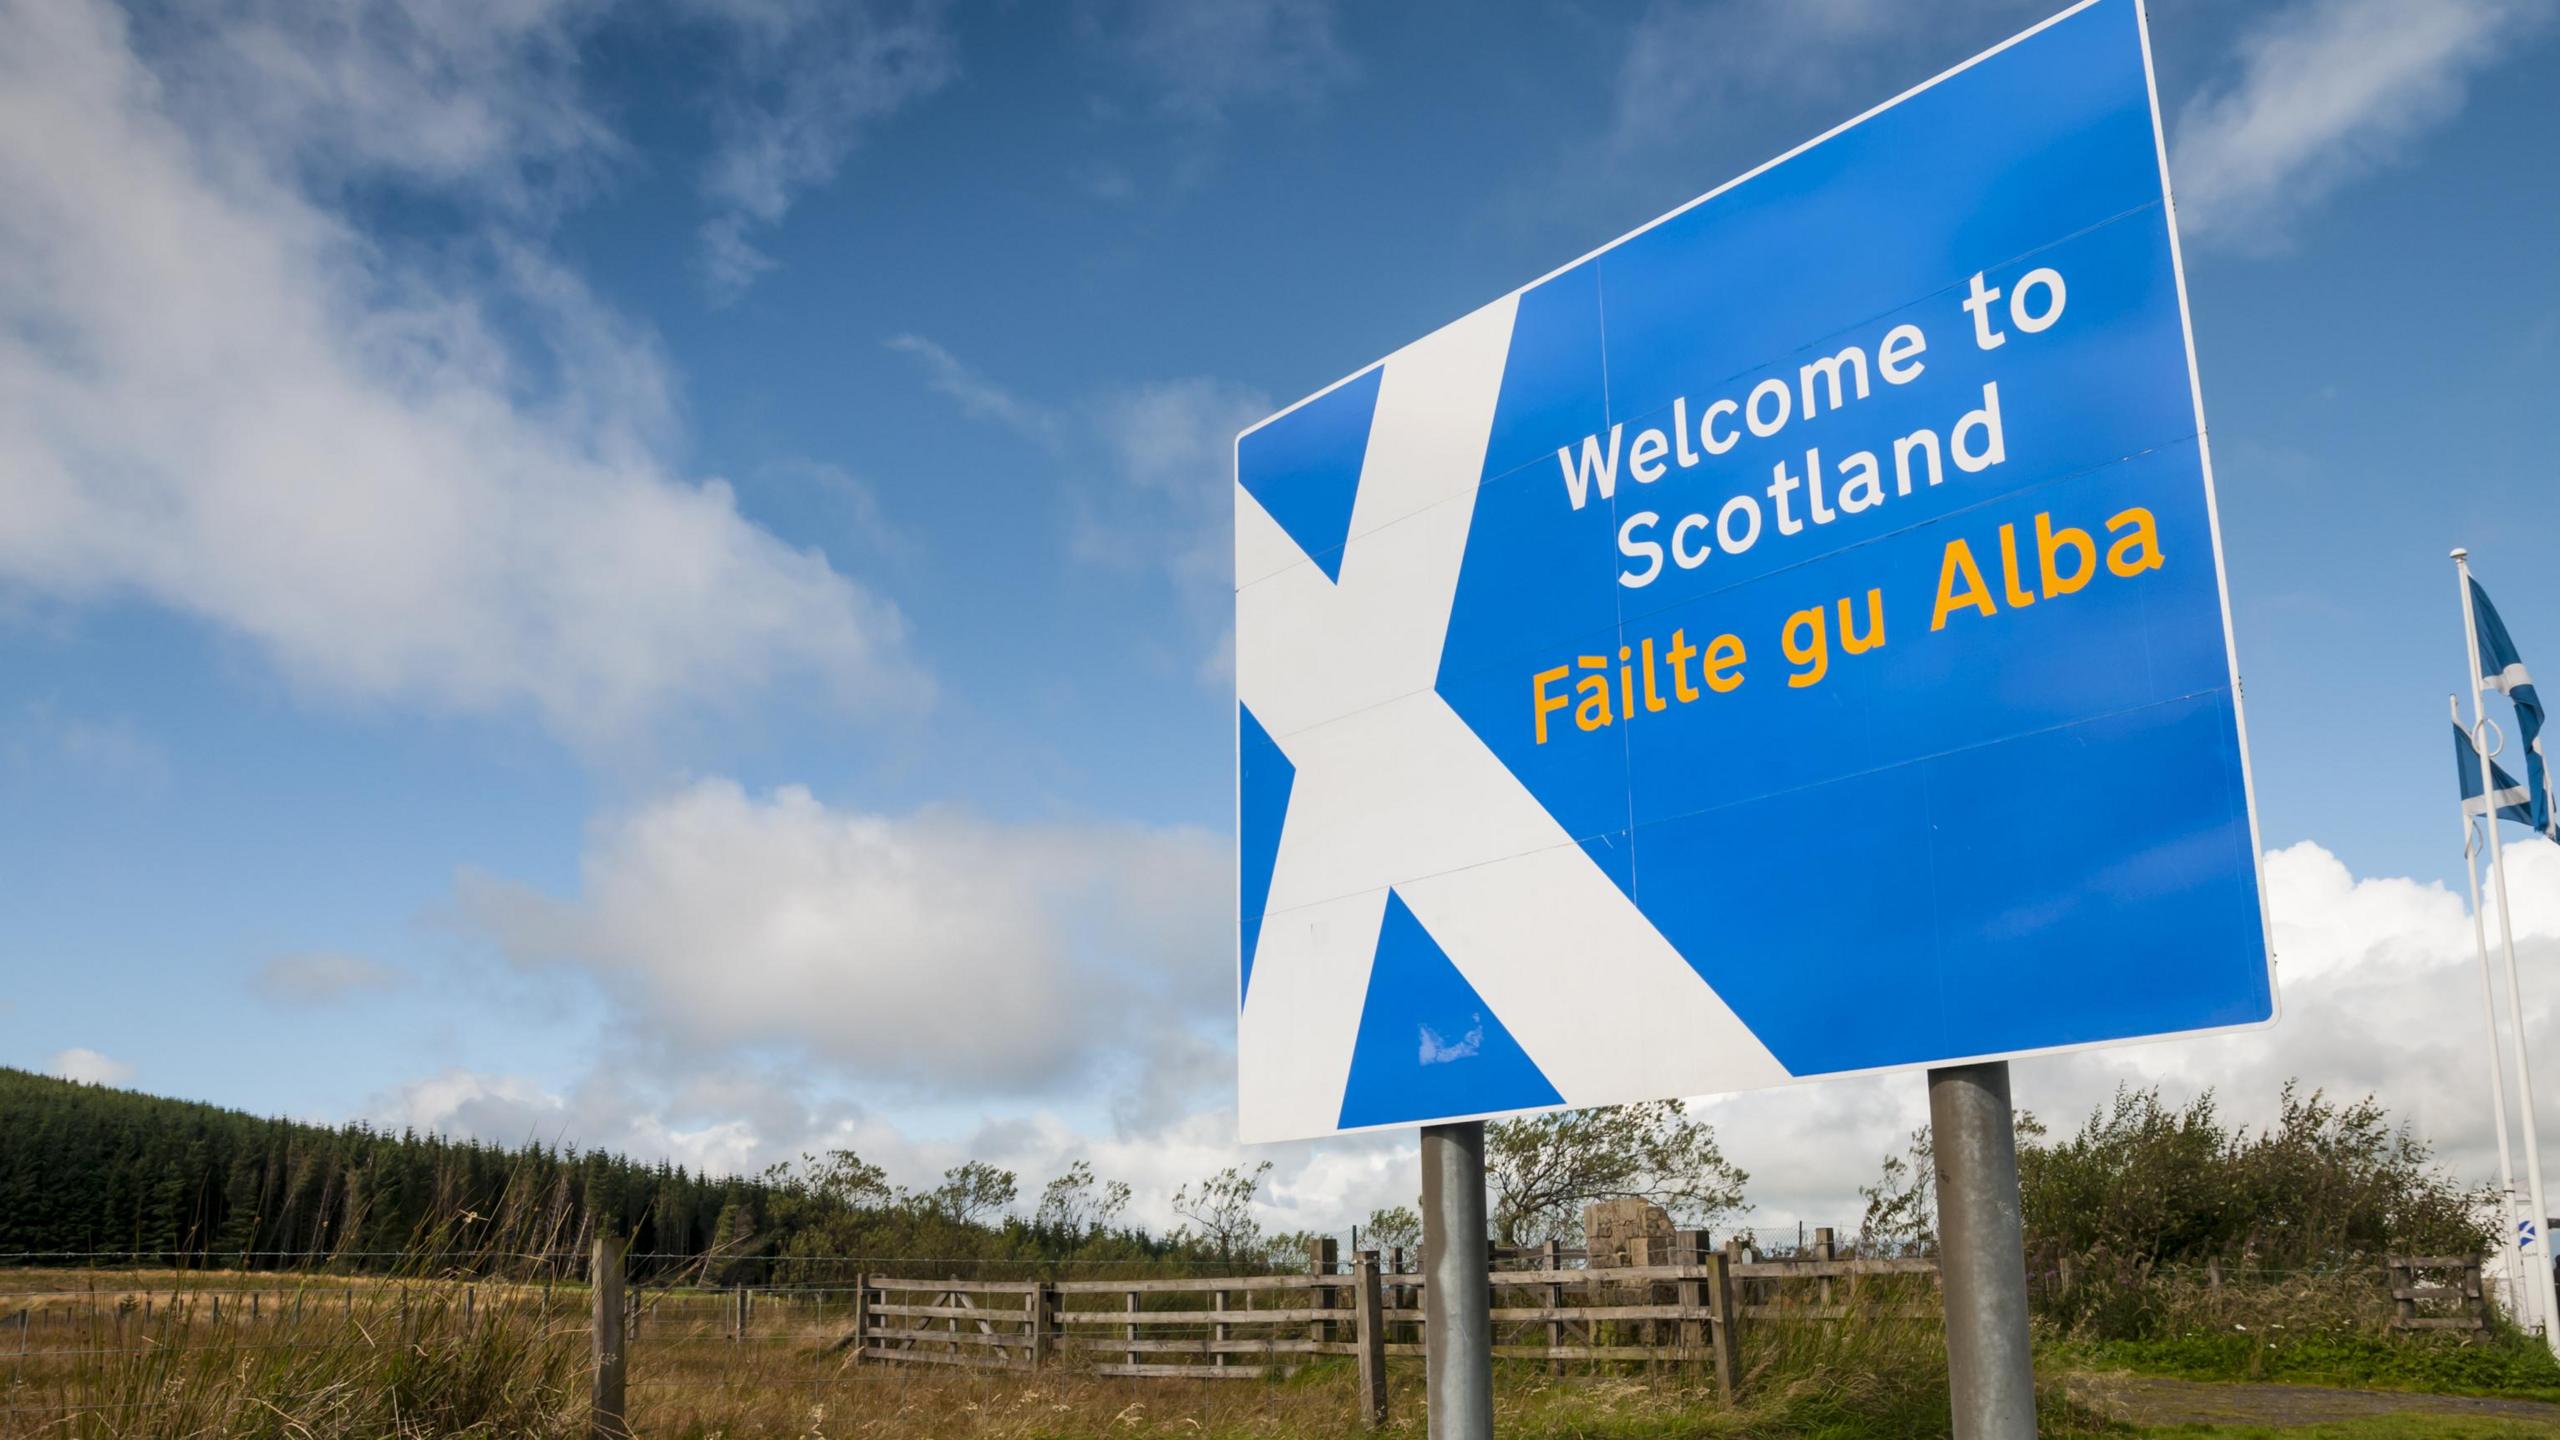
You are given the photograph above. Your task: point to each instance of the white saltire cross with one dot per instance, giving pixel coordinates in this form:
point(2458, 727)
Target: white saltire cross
point(1394, 789)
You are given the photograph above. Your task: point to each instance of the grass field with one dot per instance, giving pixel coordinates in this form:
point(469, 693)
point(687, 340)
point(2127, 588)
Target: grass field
point(2512, 1366)
point(122, 1356)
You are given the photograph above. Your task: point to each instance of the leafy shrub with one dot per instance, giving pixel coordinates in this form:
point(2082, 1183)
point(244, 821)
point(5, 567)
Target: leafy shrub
point(2154, 1221)
point(2328, 1182)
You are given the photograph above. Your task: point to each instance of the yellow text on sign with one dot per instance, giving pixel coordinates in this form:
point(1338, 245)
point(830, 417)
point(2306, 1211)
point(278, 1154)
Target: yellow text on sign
point(1650, 676)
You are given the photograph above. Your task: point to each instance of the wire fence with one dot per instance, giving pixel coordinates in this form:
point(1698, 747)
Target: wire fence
point(87, 1336)
point(98, 1334)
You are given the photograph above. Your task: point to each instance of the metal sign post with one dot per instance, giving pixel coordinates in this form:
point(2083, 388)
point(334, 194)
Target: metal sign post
point(1457, 1291)
point(1982, 1253)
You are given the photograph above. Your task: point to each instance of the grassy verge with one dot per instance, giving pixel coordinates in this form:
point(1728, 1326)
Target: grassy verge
point(423, 1357)
point(2510, 1366)
point(2379, 1428)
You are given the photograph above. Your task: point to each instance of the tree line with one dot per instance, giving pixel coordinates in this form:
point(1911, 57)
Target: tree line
point(86, 1170)
point(89, 1170)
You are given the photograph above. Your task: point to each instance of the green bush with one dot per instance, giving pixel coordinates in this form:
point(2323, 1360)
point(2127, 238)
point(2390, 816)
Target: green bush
point(2327, 1183)
point(2144, 1184)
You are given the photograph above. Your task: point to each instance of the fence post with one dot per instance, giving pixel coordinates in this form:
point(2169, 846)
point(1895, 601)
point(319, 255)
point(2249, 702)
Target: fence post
point(1551, 1257)
point(1373, 1339)
point(1397, 1295)
point(1689, 1247)
point(605, 1412)
point(1723, 1311)
point(1322, 1257)
point(1738, 1253)
point(1219, 1331)
point(861, 1316)
point(2404, 1296)
point(1826, 1252)
point(1040, 1302)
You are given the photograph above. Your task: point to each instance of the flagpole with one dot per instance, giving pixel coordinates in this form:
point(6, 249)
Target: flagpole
point(2538, 1250)
point(2520, 1302)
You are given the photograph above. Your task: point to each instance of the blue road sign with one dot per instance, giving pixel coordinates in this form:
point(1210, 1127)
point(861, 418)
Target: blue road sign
point(1789, 641)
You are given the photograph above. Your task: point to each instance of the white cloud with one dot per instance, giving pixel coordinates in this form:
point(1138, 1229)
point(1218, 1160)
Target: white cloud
point(1689, 63)
point(115, 748)
point(89, 1067)
point(219, 395)
point(805, 77)
point(477, 97)
point(932, 950)
point(853, 502)
point(959, 975)
point(1203, 60)
point(108, 748)
point(2381, 995)
point(1165, 452)
point(629, 1110)
point(728, 1119)
point(2328, 91)
point(322, 977)
point(731, 264)
point(975, 394)
point(1171, 445)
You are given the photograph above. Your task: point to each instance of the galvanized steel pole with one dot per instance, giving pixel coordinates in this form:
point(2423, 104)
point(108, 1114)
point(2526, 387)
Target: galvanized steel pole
point(1457, 1293)
point(1982, 1253)
point(2522, 1302)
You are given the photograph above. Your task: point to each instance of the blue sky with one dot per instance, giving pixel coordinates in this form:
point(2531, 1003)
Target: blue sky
point(655, 573)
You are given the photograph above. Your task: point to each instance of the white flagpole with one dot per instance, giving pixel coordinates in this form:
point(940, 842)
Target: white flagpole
point(2520, 1301)
point(2537, 1250)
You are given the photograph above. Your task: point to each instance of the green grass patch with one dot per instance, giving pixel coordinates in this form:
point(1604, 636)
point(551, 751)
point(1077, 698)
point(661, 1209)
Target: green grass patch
point(2511, 1366)
point(2380, 1427)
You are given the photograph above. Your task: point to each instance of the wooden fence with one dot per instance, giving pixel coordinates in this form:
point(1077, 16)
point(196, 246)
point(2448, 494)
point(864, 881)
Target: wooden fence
point(1549, 1304)
point(1247, 1327)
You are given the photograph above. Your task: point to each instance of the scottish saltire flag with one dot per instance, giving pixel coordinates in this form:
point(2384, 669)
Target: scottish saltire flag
point(2512, 801)
point(2503, 669)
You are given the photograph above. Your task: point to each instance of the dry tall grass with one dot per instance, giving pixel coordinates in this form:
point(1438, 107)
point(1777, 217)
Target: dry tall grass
point(409, 1358)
